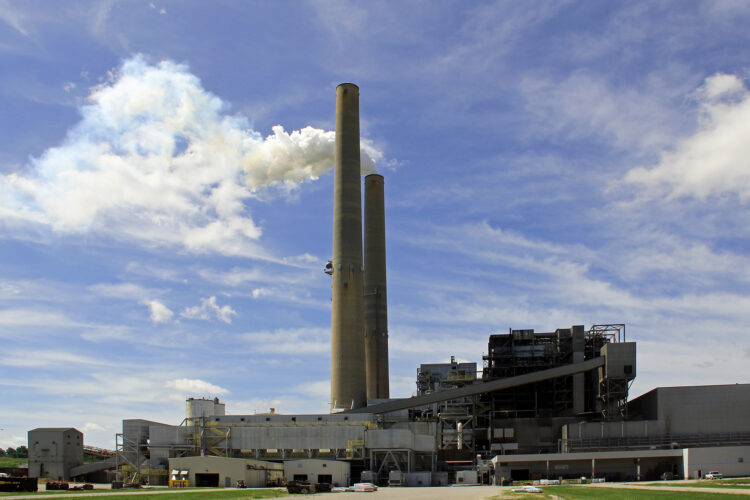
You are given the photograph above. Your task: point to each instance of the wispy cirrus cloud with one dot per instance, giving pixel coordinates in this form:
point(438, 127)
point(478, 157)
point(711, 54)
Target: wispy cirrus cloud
point(286, 340)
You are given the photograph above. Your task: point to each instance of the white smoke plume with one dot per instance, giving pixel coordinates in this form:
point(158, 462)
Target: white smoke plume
point(194, 386)
point(156, 159)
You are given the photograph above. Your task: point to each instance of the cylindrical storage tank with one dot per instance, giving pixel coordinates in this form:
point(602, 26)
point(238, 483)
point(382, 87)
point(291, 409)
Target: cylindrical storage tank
point(196, 408)
point(348, 387)
point(376, 301)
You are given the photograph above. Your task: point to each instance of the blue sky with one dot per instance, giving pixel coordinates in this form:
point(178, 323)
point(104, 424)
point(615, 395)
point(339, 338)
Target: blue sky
point(165, 194)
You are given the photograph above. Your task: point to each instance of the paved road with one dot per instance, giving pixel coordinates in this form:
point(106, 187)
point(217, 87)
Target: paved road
point(446, 493)
point(110, 493)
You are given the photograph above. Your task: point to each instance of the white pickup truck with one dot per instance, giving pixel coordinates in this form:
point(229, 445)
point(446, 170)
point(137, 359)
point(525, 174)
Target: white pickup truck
point(714, 475)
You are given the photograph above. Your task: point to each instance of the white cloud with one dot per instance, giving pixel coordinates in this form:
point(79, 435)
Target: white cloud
point(209, 308)
point(92, 427)
point(128, 291)
point(13, 17)
point(34, 317)
point(41, 358)
point(159, 312)
point(320, 388)
point(7, 289)
point(155, 159)
point(187, 386)
point(286, 340)
point(13, 441)
point(715, 160)
point(585, 105)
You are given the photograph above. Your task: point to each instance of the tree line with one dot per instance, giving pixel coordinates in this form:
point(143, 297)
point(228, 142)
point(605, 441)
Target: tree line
point(20, 452)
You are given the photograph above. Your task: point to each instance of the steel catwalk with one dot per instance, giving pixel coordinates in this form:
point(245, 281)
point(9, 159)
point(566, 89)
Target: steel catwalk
point(348, 386)
point(376, 303)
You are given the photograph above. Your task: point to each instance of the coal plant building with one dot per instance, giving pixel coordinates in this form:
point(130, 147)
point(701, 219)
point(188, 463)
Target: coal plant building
point(541, 406)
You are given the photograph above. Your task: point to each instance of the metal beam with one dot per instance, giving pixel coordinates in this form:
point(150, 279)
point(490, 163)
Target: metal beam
point(471, 390)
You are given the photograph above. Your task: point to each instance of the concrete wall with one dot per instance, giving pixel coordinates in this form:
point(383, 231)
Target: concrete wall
point(298, 437)
point(625, 465)
point(339, 471)
point(54, 451)
point(598, 430)
point(729, 460)
point(533, 434)
point(399, 439)
point(255, 473)
point(703, 409)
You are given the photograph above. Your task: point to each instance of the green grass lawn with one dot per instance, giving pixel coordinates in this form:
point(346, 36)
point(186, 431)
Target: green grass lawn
point(740, 483)
point(188, 493)
point(597, 493)
point(12, 462)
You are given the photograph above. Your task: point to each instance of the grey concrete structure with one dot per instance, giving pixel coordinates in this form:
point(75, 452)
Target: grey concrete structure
point(376, 300)
point(348, 384)
point(337, 473)
point(709, 415)
point(621, 465)
point(612, 465)
point(211, 471)
point(696, 409)
point(53, 452)
point(202, 407)
point(729, 460)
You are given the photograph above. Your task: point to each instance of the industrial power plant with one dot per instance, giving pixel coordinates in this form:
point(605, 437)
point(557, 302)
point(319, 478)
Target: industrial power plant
point(545, 406)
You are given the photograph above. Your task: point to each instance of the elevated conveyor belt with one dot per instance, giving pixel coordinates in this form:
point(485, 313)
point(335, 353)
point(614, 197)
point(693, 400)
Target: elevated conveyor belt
point(482, 388)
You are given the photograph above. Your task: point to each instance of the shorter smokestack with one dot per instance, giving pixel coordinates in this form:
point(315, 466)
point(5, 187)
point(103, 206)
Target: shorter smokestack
point(376, 301)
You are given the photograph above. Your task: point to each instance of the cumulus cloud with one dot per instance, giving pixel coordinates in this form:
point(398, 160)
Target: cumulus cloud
point(715, 160)
point(157, 160)
point(92, 427)
point(159, 312)
point(208, 309)
point(194, 386)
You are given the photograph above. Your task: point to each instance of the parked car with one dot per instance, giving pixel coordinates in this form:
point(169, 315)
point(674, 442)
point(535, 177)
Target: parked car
point(714, 475)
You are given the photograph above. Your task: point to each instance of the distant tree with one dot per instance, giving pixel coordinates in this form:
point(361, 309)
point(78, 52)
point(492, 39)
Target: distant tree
point(2, 452)
point(22, 452)
point(11, 452)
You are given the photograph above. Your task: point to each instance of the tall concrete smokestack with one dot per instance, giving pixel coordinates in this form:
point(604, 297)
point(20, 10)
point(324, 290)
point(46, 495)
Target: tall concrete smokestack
point(376, 303)
point(348, 386)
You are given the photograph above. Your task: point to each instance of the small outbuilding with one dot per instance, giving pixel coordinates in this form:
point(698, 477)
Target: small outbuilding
point(335, 472)
point(222, 472)
point(54, 451)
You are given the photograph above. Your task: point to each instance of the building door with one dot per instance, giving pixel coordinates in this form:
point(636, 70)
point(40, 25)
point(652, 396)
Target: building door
point(207, 480)
point(300, 477)
point(519, 474)
point(325, 478)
